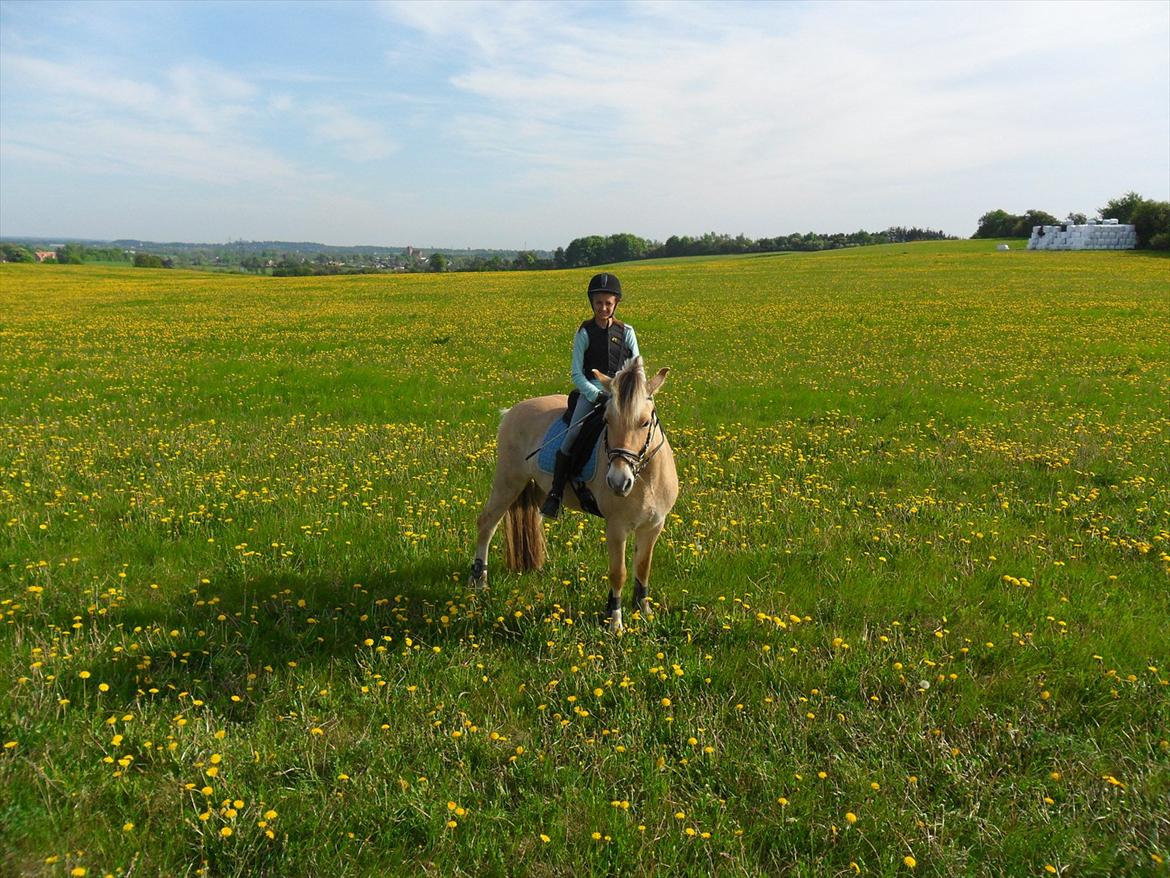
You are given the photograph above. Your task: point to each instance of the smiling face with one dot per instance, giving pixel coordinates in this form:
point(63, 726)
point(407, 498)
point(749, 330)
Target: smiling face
point(603, 307)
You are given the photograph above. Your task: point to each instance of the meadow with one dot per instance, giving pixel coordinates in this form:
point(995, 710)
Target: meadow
point(912, 607)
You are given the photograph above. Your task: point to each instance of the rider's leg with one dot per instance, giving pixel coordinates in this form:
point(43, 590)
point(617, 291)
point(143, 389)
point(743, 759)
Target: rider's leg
point(552, 503)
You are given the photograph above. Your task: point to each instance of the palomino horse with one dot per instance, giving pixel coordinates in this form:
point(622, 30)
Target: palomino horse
point(635, 493)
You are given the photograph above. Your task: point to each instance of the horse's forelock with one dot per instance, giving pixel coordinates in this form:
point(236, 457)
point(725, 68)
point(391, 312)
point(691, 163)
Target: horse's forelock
point(630, 385)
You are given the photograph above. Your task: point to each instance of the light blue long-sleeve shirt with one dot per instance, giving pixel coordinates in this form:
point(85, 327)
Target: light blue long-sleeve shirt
point(589, 386)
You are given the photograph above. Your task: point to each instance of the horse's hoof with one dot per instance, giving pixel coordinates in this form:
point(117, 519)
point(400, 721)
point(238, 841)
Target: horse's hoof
point(615, 622)
point(478, 577)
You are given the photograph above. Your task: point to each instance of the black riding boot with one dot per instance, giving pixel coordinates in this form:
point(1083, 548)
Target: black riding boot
point(552, 503)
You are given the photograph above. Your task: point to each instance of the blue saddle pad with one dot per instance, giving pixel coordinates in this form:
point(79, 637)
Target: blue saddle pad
point(547, 459)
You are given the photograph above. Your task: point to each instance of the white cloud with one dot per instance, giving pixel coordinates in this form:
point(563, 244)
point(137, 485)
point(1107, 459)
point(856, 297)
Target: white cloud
point(538, 122)
point(357, 138)
point(745, 104)
point(190, 122)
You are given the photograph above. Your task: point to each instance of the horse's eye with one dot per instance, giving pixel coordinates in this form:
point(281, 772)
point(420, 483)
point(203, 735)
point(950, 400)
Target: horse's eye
point(646, 423)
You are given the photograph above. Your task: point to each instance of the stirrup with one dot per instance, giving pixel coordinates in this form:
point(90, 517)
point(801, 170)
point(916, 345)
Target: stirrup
point(551, 508)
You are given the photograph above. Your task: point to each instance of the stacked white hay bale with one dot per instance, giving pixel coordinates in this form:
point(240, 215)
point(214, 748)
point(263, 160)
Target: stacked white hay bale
point(1107, 235)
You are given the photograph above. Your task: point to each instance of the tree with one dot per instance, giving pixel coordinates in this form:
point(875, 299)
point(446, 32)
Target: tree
point(147, 260)
point(1076, 219)
point(525, 260)
point(995, 224)
point(1151, 222)
point(15, 253)
point(623, 247)
point(1121, 209)
point(71, 254)
point(1024, 224)
point(437, 262)
point(584, 251)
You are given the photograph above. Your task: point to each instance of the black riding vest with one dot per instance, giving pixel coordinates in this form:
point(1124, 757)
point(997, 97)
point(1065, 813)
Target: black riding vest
point(607, 351)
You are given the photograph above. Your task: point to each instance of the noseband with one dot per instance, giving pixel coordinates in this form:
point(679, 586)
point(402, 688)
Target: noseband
point(638, 460)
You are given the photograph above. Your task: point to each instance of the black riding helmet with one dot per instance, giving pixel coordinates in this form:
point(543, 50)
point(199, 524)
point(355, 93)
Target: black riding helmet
point(605, 283)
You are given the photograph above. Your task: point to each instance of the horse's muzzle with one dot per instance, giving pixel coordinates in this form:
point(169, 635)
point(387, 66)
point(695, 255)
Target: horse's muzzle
point(620, 479)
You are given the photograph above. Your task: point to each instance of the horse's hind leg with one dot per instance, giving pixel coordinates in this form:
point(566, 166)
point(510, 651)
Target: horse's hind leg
point(644, 539)
point(505, 490)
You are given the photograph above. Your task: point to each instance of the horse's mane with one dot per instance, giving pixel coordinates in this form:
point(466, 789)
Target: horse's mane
point(629, 385)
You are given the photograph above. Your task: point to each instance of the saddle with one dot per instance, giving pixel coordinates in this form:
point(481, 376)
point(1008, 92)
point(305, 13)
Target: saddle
point(583, 459)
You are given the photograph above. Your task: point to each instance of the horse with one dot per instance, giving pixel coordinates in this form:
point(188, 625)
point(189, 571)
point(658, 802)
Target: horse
point(634, 494)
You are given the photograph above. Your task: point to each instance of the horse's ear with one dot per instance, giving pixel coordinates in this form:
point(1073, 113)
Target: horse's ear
point(656, 382)
point(603, 378)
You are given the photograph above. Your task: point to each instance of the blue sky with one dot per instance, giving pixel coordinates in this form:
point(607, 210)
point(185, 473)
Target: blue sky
point(530, 124)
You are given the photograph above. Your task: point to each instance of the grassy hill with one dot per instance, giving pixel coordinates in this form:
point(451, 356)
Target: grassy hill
point(911, 604)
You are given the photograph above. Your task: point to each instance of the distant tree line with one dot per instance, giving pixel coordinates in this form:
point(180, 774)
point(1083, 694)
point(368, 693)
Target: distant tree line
point(1150, 219)
point(304, 259)
point(625, 247)
point(67, 254)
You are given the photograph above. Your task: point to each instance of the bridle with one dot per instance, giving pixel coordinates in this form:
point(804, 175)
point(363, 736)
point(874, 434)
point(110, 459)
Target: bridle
point(638, 460)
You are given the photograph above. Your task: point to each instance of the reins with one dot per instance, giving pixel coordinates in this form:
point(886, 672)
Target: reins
point(559, 436)
point(637, 460)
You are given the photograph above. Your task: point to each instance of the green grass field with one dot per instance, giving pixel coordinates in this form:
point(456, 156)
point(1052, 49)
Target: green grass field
point(913, 613)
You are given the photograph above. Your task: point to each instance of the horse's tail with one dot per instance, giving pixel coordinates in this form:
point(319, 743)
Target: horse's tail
point(523, 533)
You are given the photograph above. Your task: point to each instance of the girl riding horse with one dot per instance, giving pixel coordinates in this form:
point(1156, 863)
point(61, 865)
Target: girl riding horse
point(634, 493)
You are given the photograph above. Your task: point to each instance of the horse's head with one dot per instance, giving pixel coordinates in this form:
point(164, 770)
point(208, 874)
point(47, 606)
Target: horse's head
point(630, 423)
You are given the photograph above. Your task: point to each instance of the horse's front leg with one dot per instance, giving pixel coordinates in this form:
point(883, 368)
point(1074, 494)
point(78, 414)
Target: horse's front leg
point(615, 539)
point(645, 538)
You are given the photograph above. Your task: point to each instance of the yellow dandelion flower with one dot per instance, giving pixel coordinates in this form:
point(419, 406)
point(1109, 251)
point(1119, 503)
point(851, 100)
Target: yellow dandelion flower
point(850, 817)
point(225, 831)
point(909, 861)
